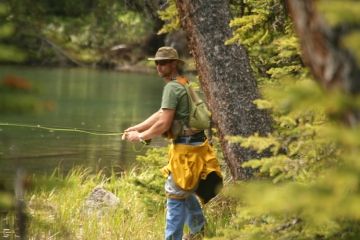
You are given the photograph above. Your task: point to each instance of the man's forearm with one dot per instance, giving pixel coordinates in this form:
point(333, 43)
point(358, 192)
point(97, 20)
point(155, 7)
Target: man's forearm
point(148, 123)
point(156, 130)
point(159, 123)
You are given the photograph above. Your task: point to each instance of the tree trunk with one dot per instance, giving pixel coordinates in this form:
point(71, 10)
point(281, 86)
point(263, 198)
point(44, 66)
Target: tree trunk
point(331, 64)
point(225, 76)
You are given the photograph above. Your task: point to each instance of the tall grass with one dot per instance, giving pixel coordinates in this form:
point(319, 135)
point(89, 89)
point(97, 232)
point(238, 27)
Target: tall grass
point(56, 204)
point(56, 208)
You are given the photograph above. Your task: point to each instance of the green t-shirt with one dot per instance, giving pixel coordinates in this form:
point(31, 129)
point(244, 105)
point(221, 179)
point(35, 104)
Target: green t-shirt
point(174, 97)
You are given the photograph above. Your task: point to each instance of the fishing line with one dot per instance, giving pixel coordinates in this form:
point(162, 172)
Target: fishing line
point(64, 129)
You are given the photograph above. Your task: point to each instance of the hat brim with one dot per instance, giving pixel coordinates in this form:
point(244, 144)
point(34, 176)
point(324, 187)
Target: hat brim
point(160, 58)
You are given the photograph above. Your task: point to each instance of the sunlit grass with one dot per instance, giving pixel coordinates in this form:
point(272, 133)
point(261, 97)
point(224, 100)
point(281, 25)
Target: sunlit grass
point(56, 204)
point(56, 209)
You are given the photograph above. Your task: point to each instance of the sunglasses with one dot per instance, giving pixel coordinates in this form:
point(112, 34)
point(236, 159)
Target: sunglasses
point(163, 62)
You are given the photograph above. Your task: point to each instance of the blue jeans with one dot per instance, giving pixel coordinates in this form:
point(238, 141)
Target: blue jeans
point(183, 211)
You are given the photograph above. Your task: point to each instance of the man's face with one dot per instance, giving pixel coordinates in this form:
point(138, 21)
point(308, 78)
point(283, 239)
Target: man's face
point(165, 68)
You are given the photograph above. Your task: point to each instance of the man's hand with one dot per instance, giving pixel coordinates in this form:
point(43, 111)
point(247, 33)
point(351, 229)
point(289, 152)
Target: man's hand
point(131, 136)
point(161, 123)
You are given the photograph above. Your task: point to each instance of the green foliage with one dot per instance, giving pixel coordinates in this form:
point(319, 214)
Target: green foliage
point(88, 37)
point(7, 53)
point(314, 169)
point(310, 182)
point(261, 143)
point(84, 30)
point(298, 142)
point(171, 18)
point(154, 158)
point(265, 30)
point(150, 182)
point(11, 54)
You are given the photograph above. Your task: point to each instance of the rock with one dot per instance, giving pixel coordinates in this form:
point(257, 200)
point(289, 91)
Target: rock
point(100, 199)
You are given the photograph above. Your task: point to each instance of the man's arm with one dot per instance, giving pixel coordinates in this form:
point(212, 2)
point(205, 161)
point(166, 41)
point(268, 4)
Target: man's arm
point(160, 126)
point(146, 124)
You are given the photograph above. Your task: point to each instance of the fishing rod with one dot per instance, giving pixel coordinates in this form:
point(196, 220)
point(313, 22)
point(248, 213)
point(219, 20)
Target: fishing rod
point(66, 129)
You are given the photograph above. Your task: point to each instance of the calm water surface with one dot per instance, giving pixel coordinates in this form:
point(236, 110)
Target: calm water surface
point(81, 98)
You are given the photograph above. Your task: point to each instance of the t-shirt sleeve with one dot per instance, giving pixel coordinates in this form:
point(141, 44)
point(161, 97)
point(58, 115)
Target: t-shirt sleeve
point(169, 98)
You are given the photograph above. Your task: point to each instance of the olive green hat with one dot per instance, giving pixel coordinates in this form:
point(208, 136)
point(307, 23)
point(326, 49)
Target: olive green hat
point(166, 53)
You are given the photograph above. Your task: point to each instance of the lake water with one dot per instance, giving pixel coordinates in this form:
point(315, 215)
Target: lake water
point(78, 98)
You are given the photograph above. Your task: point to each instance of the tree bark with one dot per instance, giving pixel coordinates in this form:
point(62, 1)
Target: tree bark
point(226, 78)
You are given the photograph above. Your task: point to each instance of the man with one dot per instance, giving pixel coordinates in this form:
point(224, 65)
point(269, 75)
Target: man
point(190, 156)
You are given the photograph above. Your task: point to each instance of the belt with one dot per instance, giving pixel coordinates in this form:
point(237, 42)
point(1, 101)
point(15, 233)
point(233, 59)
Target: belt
point(197, 137)
point(188, 132)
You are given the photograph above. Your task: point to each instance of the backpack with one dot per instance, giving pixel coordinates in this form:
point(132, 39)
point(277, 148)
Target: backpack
point(199, 115)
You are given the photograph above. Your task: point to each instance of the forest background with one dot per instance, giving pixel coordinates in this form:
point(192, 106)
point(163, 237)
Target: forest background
point(308, 188)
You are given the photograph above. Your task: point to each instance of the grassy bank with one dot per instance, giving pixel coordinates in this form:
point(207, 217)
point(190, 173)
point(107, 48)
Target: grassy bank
point(55, 204)
point(57, 211)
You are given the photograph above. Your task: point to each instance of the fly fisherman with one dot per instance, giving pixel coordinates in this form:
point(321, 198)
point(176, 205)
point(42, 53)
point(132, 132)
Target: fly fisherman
point(192, 167)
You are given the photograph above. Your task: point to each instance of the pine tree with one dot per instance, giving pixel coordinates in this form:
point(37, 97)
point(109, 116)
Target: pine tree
point(310, 185)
